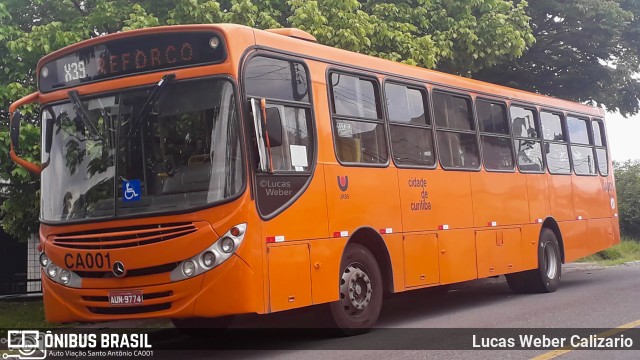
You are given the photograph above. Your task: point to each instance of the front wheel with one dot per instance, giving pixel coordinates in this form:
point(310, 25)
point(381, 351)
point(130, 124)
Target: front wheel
point(546, 278)
point(361, 291)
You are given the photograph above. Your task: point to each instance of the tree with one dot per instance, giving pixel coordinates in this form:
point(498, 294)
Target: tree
point(459, 36)
point(628, 189)
point(585, 50)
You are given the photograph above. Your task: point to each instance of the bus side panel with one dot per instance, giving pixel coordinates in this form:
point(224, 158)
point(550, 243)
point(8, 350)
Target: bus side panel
point(499, 251)
point(589, 199)
point(289, 276)
point(306, 218)
point(421, 259)
point(538, 195)
point(600, 234)
point(529, 245)
point(360, 197)
point(434, 198)
point(560, 197)
point(457, 255)
point(574, 237)
point(602, 208)
point(325, 269)
point(499, 198)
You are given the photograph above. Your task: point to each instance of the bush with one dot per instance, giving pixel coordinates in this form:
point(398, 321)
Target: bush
point(627, 176)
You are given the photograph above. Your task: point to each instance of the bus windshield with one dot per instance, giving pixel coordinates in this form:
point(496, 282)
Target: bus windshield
point(106, 156)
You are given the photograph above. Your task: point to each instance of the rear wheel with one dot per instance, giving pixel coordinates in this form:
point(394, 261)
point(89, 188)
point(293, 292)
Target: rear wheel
point(546, 278)
point(361, 291)
point(202, 327)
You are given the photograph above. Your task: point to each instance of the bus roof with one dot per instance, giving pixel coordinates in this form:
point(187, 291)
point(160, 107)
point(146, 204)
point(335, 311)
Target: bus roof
point(299, 43)
point(349, 59)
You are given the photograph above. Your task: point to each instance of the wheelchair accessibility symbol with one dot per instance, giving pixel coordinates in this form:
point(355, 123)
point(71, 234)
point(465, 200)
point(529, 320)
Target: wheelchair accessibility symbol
point(131, 190)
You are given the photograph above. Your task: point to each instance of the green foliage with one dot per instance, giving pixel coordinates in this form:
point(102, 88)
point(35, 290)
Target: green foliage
point(628, 189)
point(585, 50)
point(627, 250)
point(457, 36)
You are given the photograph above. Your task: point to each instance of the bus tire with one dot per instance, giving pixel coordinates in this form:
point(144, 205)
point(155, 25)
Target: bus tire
point(202, 327)
point(361, 290)
point(546, 278)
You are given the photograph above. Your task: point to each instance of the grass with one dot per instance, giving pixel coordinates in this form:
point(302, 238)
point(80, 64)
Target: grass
point(27, 314)
point(627, 250)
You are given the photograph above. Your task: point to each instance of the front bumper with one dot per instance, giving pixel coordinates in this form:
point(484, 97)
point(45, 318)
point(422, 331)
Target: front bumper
point(228, 289)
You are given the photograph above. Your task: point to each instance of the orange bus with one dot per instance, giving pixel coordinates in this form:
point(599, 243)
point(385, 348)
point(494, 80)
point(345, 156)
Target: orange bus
point(198, 172)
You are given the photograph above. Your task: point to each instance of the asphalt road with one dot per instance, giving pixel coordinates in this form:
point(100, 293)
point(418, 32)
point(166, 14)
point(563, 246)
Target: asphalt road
point(589, 297)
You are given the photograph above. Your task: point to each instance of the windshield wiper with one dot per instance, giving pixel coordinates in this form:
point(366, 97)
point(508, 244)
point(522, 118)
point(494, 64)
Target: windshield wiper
point(82, 112)
point(153, 97)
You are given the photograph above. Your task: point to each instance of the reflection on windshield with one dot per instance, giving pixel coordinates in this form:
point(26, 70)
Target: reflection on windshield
point(185, 153)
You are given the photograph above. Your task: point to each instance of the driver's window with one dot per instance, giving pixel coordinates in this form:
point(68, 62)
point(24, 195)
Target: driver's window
point(287, 128)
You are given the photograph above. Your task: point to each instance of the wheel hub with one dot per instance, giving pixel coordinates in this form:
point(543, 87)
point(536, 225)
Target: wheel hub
point(355, 289)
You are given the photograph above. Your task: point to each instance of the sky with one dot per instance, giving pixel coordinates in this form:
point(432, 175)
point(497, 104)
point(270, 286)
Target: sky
point(624, 143)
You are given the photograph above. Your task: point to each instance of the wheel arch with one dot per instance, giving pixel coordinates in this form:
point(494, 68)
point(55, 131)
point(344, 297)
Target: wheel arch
point(372, 240)
point(551, 224)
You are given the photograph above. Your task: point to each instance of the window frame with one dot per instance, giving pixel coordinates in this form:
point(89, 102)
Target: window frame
point(334, 117)
point(437, 128)
point(427, 105)
point(495, 135)
point(565, 141)
point(590, 145)
point(539, 139)
point(605, 147)
point(281, 102)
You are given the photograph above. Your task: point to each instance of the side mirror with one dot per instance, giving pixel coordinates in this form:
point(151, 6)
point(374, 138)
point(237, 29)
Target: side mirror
point(15, 128)
point(274, 127)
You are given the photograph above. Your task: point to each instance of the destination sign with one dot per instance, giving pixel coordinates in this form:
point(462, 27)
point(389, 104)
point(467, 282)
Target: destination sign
point(132, 55)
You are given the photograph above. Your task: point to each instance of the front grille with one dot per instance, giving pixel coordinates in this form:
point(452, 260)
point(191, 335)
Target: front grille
point(149, 296)
point(123, 237)
point(127, 310)
point(152, 270)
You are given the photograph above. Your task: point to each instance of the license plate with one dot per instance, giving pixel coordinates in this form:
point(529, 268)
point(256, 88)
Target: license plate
point(133, 297)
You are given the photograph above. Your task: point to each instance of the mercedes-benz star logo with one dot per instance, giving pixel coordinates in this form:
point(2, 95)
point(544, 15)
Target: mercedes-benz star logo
point(118, 269)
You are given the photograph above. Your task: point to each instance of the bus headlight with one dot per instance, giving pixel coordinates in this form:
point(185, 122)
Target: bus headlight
point(65, 276)
point(188, 268)
point(217, 253)
point(208, 259)
point(58, 274)
point(226, 245)
point(44, 259)
point(52, 270)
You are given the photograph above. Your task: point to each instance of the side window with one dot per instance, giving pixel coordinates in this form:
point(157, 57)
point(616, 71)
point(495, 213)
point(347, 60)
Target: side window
point(556, 147)
point(582, 153)
point(526, 134)
point(359, 127)
point(276, 79)
point(410, 128)
point(494, 132)
point(288, 125)
point(457, 140)
point(600, 146)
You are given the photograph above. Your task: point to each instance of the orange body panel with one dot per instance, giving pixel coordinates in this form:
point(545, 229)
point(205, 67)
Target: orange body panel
point(434, 198)
point(575, 238)
point(289, 265)
point(538, 195)
point(436, 226)
point(421, 265)
point(499, 198)
point(457, 256)
point(499, 251)
point(561, 197)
